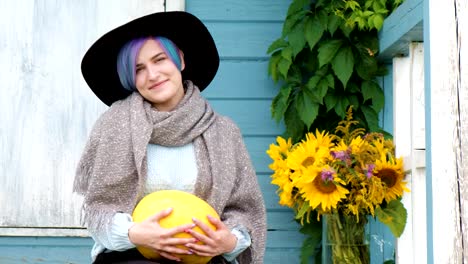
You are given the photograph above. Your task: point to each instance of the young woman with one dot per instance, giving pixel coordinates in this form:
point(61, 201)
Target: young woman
point(160, 133)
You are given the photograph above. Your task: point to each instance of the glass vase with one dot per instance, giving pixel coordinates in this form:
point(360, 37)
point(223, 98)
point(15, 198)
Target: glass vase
point(345, 240)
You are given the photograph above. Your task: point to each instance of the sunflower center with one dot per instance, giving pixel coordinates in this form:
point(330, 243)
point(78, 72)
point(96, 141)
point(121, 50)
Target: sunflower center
point(308, 161)
point(388, 176)
point(324, 186)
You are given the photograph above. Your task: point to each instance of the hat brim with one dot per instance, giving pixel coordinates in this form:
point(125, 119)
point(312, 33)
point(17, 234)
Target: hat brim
point(99, 64)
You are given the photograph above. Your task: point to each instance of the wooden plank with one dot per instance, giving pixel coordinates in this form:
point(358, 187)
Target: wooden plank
point(461, 9)
point(249, 40)
point(242, 79)
point(59, 250)
point(409, 131)
point(403, 26)
point(257, 147)
point(252, 116)
point(47, 109)
point(443, 82)
point(253, 10)
point(174, 5)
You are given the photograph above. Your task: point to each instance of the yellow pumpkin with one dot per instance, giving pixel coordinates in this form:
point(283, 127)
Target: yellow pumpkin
point(185, 207)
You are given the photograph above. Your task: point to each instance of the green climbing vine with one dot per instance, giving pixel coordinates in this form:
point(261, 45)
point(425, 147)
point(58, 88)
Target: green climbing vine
point(326, 61)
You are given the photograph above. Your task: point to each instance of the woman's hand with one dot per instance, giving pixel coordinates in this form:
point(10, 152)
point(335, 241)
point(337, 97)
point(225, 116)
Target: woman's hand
point(215, 242)
point(150, 234)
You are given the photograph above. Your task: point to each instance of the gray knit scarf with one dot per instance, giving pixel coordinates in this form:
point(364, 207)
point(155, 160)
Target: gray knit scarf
point(113, 168)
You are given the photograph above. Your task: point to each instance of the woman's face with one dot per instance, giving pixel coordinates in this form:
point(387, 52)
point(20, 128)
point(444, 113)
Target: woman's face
point(157, 78)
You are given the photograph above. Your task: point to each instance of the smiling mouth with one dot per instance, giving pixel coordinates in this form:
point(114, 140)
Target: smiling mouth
point(156, 85)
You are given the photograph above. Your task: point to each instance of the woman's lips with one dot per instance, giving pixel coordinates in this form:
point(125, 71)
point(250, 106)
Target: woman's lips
point(156, 85)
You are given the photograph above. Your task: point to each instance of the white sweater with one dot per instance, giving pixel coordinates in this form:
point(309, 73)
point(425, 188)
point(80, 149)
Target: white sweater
point(164, 173)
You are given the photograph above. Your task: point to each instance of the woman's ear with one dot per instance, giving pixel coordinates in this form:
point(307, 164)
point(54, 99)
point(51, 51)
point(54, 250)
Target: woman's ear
point(182, 61)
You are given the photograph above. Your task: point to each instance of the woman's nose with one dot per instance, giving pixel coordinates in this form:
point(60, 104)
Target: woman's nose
point(152, 72)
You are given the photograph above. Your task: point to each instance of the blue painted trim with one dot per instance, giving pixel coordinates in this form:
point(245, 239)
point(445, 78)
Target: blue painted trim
point(403, 26)
point(427, 103)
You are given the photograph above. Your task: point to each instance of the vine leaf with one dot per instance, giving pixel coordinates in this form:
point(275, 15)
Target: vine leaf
point(306, 107)
point(280, 103)
point(371, 90)
point(334, 22)
point(343, 64)
point(277, 44)
point(328, 50)
point(313, 31)
point(394, 216)
point(296, 38)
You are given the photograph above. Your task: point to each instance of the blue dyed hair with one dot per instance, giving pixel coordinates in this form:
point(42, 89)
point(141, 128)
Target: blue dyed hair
point(126, 59)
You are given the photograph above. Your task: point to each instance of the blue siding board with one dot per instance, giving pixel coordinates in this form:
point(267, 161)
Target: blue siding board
point(241, 80)
point(234, 10)
point(403, 26)
point(244, 40)
point(252, 116)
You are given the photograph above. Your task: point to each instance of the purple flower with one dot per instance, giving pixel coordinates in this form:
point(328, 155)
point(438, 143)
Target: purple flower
point(370, 170)
point(341, 155)
point(327, 175)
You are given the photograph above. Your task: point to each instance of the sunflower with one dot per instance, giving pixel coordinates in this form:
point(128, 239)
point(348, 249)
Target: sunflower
point(310, 152)
point(390, 172)
point(285, 190)
point(280, 151)
point(323, 189)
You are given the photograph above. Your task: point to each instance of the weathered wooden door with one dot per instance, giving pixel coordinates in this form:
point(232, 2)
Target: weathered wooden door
point(46, 109)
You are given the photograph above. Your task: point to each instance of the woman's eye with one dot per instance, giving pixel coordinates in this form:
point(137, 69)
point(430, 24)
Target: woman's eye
point(160, 59)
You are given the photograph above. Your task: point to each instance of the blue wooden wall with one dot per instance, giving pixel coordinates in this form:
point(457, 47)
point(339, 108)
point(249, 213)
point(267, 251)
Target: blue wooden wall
point(243, 30)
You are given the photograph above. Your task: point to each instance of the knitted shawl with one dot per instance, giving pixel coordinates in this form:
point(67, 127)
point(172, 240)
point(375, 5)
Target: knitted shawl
point(112, 171)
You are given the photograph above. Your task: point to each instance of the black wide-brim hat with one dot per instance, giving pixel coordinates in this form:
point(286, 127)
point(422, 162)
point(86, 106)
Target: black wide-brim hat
point(99, 64)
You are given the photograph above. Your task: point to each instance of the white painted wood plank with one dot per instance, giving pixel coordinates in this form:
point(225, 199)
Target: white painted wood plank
point(409, 138)
point(444, 114)
point(462, 29)
point(402, 139)
point(418, 146)
point(46, 109)
point(175, 5)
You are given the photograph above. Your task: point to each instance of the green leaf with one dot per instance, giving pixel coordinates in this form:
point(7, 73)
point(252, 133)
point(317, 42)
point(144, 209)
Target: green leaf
point(369, 89)
point(280, 103)
point(287, 53)
point(343, 64)
point(294, 125)
point(296, 6)
point(313, 232)
point(296, 38)
point(295, 75)
point(273, 65)
point(285, 63)
point(277, 44)
point(313, 31)
point(341, 106)
point(306, 107)
point(291, 21)
point(354, 101)
point(283, 67)
point(372, 118)
point(378, 21)
point(372, 90)
point(328, 50)
point(330, 101)
point(323, 18)
point(312, 83)
point(346, 29)
point(394, 216)
point(334, 22)
point(331, 81)
point(320, 91)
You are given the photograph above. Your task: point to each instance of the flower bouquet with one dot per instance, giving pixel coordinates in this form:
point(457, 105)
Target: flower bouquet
point(344, 177)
